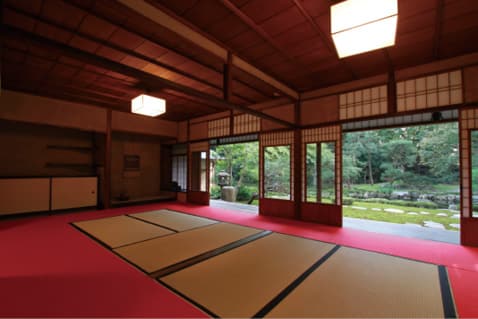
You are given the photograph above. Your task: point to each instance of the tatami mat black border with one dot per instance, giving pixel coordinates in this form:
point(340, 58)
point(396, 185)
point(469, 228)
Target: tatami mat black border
point(148, 222)
point(274, 302)
point(191, 301)
point(446, 294)
point(209, 254)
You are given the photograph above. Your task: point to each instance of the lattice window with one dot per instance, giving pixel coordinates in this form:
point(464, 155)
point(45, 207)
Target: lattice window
point(468, 122)
point(363, 103)
point(430, 91)
point(246, 123)
point(324, 134)
point(276, 139)
point(220, 127)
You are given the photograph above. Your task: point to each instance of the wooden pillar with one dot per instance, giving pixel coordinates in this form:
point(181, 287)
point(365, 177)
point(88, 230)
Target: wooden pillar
point(107, 165)
point(297, 163)
point(392, 92)
point(227, 89)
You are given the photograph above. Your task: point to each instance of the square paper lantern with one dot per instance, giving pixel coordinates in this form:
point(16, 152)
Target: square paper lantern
point(359, 26)
point(148, 105)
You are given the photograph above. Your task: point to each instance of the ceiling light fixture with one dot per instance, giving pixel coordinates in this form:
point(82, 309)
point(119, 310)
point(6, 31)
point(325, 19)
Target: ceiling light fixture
point(148, 105)
point(359, 26)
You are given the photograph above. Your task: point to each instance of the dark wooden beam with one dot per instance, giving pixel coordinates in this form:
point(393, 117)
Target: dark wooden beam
point(120, 49)
point(298, 183)
point(438, 29)
point(107, 165)
point(227, 88)
point(152, 80)
point(259, 30)
point(392, 93)
point(325, 39)
point(150, 38)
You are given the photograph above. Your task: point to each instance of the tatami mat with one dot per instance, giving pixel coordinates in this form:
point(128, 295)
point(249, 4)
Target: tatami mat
point(240, 282)
point(174, 220)
point(121, 230)
point(156, 254)
point(357, 283)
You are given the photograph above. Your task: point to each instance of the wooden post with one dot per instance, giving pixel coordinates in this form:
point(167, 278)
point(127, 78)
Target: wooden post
point(107, 166)
point(392, 93)
point(227, 89)
point(297, 163)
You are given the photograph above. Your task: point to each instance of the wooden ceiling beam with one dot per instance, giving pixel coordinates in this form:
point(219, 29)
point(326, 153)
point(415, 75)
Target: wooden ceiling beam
point(121, 49)
point(154, 81)
point(104, 17)
point(325, 39)
point(259, 30)
point(171, 21)
point(438, 28)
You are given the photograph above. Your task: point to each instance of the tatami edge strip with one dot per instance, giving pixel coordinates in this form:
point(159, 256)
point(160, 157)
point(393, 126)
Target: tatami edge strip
point(155, 224)
point(191, 301)
point(209, 254)
point(446, 294)
point(274, 302)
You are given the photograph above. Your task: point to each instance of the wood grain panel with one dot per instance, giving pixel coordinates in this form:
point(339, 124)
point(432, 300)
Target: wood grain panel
point(23, 195)
point(319, 111)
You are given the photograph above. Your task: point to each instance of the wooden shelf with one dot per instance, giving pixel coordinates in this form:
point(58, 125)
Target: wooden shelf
point(71, 148)
point(68, 165)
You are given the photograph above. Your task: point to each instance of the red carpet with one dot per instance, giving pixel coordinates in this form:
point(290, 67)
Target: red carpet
point(49, 269)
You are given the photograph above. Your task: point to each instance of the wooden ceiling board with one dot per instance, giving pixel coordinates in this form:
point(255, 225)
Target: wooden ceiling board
point(63, 71)
point(408, 8)
point(244, 40)
point(110, 53)
point(134, 62)
point(297, 34)
point(53, 33)
point(283, 21)
point(126, 39)
point(71, 62)
point(461, 23)
point(420, 21)
point(259, 10)
point(316, 8)
point(456, 8)
point(99, 28)
point(206, 12)
point(18, 20)
point(32, 6)
point(228, 28)
point(151, 49)
point(63, 13)
point(84, 44)
point(459, 43)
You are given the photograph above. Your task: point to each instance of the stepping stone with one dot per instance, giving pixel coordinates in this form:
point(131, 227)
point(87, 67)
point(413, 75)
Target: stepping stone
point(442, 214)
point(457, 216)
point(412, 213)
point(432, 224)
point(425, 213)
point(358, 207)
point(393, 210)
point(457, 226)
point(377, 209)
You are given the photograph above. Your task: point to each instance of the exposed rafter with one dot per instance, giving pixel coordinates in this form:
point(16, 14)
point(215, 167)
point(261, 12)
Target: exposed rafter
point(190, 57)
point(155, 81)
point(325, 39)
point(174, 24)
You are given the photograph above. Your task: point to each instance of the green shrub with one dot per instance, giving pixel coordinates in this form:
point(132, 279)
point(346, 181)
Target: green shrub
point(215, 191)
point(347, 201)
point(244, 193)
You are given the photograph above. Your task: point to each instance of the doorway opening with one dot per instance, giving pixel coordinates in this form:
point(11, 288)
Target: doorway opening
point(234, 176)
point(403, 180)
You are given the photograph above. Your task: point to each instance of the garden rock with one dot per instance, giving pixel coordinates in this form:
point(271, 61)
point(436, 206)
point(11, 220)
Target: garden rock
point(377, 209)
point(425, 213)
point(358, 207)
point(394, 210)
point(457, 216)
point(457, 226)
point(432, 224)
point(442, 214)
point(412, 213)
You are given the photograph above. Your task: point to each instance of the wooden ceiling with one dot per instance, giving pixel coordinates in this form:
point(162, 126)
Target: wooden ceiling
point(104, 53)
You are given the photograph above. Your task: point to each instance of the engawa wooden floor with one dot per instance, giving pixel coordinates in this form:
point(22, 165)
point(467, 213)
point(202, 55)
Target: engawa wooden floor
point(49, 269)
